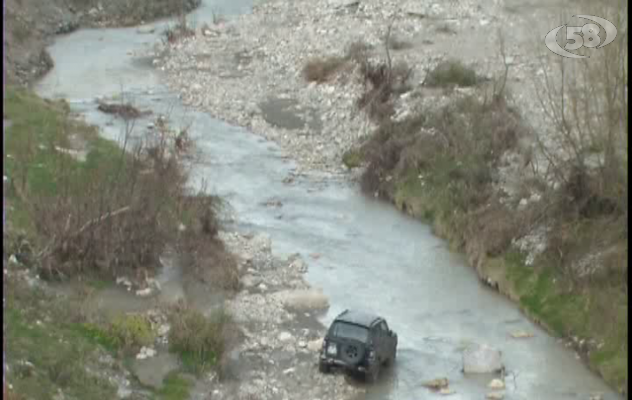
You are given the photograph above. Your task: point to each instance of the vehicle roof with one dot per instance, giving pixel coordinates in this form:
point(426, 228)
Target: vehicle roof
point(358, 318)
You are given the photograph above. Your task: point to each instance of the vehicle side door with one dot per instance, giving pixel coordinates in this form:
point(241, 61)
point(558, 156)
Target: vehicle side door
point(382, 333)
point(387, 340)
point(375, 341)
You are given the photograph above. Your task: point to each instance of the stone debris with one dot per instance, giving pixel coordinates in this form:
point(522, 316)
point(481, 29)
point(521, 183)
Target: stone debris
point(146, 352)
point(482, 359)
point(495, 395)
point(269, 327)
point(496, 384)
point(436, 384)
point(521, 335)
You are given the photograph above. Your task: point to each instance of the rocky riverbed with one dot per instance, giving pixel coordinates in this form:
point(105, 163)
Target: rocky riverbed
point(248, 71)
point(276, 313)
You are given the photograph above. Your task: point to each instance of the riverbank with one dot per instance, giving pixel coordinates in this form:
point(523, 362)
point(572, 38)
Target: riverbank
point(562, 275)
point(124, 330)
point(30, 26)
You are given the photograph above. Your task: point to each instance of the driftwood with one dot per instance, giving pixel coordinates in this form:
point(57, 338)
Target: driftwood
point(125, 111)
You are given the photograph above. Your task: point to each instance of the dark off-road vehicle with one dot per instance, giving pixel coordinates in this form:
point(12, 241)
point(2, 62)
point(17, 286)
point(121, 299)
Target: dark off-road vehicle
point(358, 342)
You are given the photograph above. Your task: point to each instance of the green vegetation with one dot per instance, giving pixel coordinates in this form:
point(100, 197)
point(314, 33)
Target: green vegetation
point(199, 340)
point(175, 387)
point(46, 352)
point(352, 158)
point(132, 331)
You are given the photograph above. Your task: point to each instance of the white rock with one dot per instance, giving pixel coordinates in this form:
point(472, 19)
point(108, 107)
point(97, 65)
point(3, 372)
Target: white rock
point(285, 336)
point(303, 299)
point(481, 359)
point(315, 345)
point(496, 384)
point(144, 292)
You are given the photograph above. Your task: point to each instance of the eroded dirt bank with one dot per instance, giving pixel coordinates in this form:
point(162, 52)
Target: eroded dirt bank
point(29, 26)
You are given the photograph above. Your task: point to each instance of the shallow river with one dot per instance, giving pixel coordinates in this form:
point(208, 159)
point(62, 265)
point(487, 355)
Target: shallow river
point(371, 256)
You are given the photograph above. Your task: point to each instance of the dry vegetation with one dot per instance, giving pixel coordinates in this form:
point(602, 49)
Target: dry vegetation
point(111, 214)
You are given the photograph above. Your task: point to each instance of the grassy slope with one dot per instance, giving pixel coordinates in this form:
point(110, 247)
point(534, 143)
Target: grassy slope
point(58, 348)
point(590, 311)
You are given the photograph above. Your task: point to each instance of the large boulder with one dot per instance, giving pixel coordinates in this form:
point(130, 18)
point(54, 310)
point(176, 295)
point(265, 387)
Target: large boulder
point(303, 299)
point(482, 359)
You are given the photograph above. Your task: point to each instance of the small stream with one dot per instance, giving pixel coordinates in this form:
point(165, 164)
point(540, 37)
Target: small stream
point(371, 256)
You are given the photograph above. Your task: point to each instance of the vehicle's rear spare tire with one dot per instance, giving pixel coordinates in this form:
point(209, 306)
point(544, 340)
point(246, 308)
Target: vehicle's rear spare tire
point(352, 353)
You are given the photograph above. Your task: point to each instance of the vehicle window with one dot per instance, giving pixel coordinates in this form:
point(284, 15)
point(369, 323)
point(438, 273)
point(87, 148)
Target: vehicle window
point(350, 331)
point(384, 328)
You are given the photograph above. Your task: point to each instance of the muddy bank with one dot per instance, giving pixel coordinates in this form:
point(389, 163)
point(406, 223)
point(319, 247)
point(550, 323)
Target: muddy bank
point(30, 26)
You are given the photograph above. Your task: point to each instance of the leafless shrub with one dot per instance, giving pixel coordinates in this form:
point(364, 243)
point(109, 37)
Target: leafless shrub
point(182, 29)
point(585, 102)
point(382, 80)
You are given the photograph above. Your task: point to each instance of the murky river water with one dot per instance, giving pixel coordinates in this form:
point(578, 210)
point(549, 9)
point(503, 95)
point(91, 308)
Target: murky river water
point(372, 257)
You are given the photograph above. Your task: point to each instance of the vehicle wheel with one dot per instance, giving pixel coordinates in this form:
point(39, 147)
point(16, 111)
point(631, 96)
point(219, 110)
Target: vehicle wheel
point(373, 374)
point(324, 368)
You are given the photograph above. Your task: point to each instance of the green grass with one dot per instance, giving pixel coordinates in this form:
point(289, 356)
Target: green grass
point(352, 158)
point(97, 335)
point(34, 165)
point(58, 351)
point(175, 387)
point(586, 311)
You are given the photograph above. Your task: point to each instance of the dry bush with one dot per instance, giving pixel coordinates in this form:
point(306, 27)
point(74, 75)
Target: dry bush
point(451, 73)
point(494, 226)
point(321, 69)
point(105, 217)
point(182, 29)
point(382, 83)
point(457, 146)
